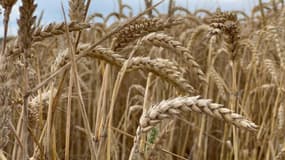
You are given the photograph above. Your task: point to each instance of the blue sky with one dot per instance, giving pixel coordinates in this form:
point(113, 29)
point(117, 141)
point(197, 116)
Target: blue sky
point(53, 13)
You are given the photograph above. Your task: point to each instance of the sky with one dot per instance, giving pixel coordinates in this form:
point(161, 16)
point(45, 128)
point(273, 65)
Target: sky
point(53, 12)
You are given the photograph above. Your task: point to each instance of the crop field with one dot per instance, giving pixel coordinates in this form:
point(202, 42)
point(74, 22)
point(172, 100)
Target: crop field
point(153, 85)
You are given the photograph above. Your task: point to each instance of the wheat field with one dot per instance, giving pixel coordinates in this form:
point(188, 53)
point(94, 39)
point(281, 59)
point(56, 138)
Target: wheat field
point(181, 85)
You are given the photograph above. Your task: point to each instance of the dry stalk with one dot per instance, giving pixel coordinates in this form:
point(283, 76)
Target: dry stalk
point(243, 62)
point(2, 156)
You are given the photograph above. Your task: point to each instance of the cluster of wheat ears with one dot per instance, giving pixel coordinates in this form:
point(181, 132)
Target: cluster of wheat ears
point(179, 85)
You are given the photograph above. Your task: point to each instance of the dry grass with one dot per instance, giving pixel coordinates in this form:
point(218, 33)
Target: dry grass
point(131, 88)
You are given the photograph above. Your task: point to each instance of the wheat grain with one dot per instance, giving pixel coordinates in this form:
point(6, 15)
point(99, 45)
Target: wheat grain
point(140, 28)
point(172, 107)
point(161, 67)
point(42, 33)
point(272, 69)
point(76, 10)
point(221, 84)
point(168, 42)
point(41, 100)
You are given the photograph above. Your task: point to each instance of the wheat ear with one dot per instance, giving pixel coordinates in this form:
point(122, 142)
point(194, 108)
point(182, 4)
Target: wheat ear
point(53, 29)
point(76, 10)
point(161, 67)
point(163, 40)
point(172, 107)
point(175, 106)
point(140, 28)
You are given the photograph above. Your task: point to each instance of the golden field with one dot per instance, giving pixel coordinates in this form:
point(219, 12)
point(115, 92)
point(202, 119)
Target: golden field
point(181, 85)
